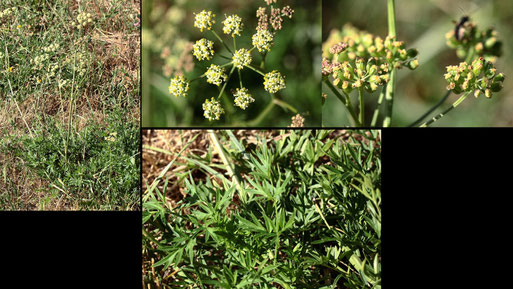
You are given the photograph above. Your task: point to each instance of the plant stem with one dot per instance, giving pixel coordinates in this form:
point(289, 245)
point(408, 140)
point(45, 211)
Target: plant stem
point(256, 70)
point(468, 59)
point(378, 106)
point(228, 165)
point(454, 105)
point(284, 105)
point(389, 96)
point(224, 43)
point(226, 82)
point(431, 110)
point(261, 116)
point(362, 107)
point(391, 17)
point(345, 101)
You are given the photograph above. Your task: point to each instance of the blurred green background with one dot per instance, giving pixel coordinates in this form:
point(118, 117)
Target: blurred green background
point(167, 30)
point(423, 24)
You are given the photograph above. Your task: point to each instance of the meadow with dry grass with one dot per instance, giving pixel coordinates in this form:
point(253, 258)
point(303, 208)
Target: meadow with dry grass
point(69, 105)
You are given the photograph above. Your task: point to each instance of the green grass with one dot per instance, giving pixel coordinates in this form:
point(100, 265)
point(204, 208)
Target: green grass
point(63, 91)
point(299, 210)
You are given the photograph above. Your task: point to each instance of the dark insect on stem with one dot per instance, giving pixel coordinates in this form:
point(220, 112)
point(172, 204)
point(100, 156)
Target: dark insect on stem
point(459, 30)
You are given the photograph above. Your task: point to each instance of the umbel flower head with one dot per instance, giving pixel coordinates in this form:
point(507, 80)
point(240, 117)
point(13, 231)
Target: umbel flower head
point(212, 109)
point(243, 98)
point(233, 25)
point(262, 40)
point(203, 49)
point(179, 86)
point(470, 38)
point(480, 77)
point(357, 59)
point(241, 58)
point(215, 75)
point(273, 81)
point(204, 20)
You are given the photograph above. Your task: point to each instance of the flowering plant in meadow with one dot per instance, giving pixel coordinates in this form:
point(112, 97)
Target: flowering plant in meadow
point(355, 60)
point(241, 60)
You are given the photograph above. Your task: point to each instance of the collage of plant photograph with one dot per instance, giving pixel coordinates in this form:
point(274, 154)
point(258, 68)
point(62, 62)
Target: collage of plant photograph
point(244, 136)
point(261, 209)
point(231, 63)
point(69, 105)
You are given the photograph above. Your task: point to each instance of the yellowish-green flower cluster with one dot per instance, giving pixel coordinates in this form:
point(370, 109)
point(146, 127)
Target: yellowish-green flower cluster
point(471, 39)
point(178, 86)
point(241, 58)
point(233, 25)
point(111, 137)
point(204, 20)
point(7, 12)
point(262, 40)
point(243, 98)
point(274, 81)
point(212, 109)
point(480, 77)
point(203, 49)
point(83, 19)
point(63, 83)
point(38, 61)
point(357, 59)
point(51, 48)
point(215, 74)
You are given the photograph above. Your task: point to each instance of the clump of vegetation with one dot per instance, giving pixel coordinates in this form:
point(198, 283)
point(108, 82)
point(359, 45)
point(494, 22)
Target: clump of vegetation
point(69, 104)
point(282, 209)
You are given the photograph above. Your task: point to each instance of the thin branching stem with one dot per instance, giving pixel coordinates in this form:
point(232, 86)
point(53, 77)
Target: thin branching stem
point(389, 96)
point(345, 100)
point(228, 164)
point(439, 116)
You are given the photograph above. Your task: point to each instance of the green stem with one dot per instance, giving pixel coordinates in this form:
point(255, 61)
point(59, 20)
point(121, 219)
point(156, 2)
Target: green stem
point(262, 115)
point(240, 78)
point(362, 107)
point(226, 82)
point(454, 105)
point(234, 44)
point(468, 59)
point(389, 96)
point(284, 105)
point(256, 70)
point(391, 17)
point(431, 110)
point(224, 43)
point(378, 106)
point(229, 168)
point(345, 101)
